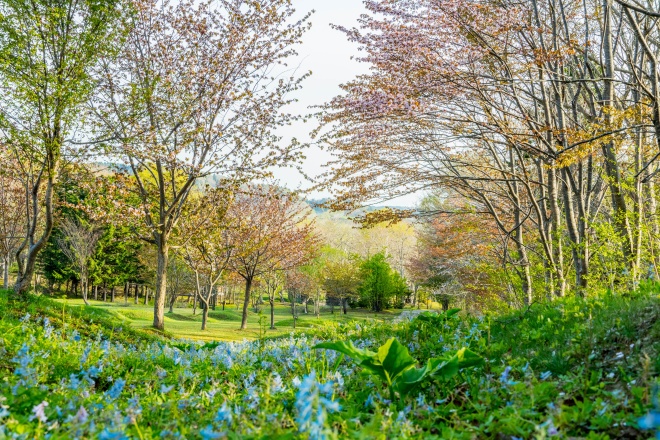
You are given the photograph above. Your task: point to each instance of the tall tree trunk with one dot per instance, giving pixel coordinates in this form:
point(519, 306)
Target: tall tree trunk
point(161, 284)
point(246, 302)
point(612, 170)
point(26, 267)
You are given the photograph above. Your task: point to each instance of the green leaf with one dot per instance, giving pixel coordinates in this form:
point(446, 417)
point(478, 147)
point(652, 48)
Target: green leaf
point(411, 378)
point(427, 317)
point(468, 358)
point(394, 358)
point(444, 368)
point(451, 312)
point(347, 348)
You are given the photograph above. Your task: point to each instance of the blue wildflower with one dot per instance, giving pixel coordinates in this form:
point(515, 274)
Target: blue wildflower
point(208, 433)
point(107, 434)
point(48, 329)
point(166, 388)
point(224, 414)
point(504, 377)
point(81, 415)
point(116, 389)
point(545, 375)
point(277, 386)
point(313, 403)
point(650, 420)
point(38, 412)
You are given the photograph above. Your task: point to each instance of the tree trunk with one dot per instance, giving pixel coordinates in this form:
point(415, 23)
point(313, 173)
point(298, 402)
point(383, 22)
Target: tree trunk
point(172, 299)
point(205, 314)
point(161, 284)
point(112, 294)
point(26, 267)
point(5, 272)
point(246, 302)
point(344, 305)
point(612, 170)
point(272, 313)
point(84, 286)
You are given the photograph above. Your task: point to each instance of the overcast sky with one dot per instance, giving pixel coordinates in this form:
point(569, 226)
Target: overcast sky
point(327, 53)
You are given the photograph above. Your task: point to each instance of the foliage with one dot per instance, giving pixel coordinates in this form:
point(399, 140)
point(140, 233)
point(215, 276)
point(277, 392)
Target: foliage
point(394, 365)
point(48, 53)
point(379, 284)
point(191, 92)
point(534, 383)
point(271, 231)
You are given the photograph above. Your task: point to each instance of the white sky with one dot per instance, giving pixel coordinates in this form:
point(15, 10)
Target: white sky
point(327, 53)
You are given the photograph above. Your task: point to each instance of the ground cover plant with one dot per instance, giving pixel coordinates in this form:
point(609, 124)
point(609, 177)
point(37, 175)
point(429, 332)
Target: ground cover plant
point(570, 369)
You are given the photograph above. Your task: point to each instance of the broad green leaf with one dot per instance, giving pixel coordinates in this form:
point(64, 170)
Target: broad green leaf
point(411, 378)
point(347, 348)
point(394, 358)
point(373, 366)
point(451, 312)
point(468, 358)
point(427, 317)
point(444, 368)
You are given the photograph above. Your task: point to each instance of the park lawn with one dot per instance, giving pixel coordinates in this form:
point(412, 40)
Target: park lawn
point(224, 325)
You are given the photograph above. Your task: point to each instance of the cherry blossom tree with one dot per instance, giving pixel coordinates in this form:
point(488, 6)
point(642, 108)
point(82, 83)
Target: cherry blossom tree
point(206, 248)
point(271, 231)
point(517, 108)
point(197, 88)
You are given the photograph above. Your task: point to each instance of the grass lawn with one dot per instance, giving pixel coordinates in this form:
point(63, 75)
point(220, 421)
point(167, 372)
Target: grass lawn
point(224, 324)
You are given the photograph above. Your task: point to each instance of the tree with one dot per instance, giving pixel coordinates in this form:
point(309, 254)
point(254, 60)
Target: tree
point(459, 254)
point(515, 108)
point(271, 232)
point(376, 283)
point(274, 283)
point(206, 248)
point(48, 50)
point(341, 280)
point(78, 244)
point(196, 91)
point(179, 278)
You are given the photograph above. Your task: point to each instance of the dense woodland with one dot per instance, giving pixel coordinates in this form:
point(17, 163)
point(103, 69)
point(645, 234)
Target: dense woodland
point(138, 145)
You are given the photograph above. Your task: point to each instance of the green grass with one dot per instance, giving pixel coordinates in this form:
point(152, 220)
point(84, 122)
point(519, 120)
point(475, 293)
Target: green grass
point(223, 324)
point(587, 367)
